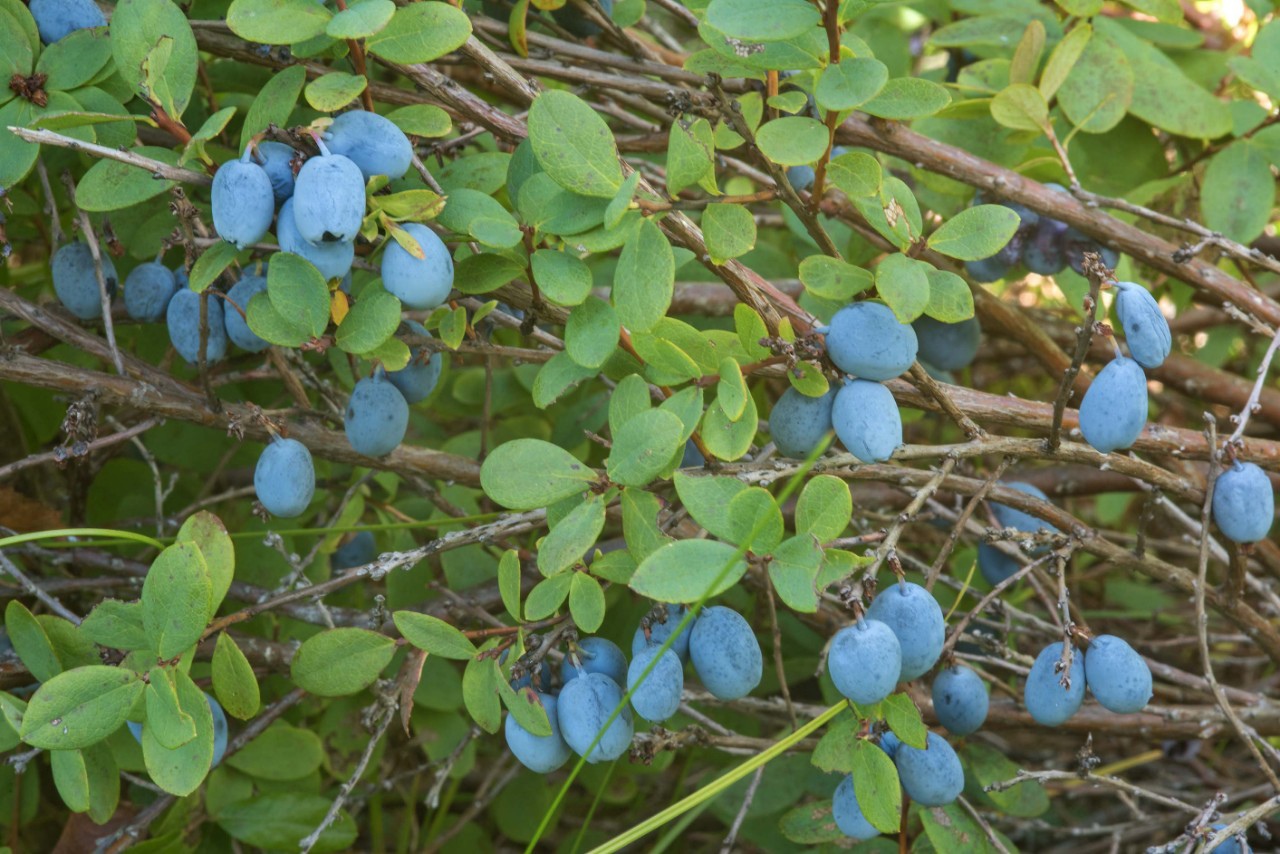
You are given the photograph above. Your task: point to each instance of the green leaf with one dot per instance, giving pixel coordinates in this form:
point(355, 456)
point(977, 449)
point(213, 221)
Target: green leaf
point(1026, 59)
point(277, 21)
point(372, 320)
point(73, 648)
point(731, 390)
point(528, 473)
point(71, 777)
point(80, 707)
point(137, 28)
point(169, 724)
point(547, 596)
point(755, 520)
point(526, 707)
point(729, 231)
point(808, 379)
point(211, 264)
point(643, 447)
point(750, 328)
point(333, 91)
point(73, 60)
point(434, 635)
point(482, 217)
point(950, 299)
point(572, 143)
point(751, 20)
point(684, 571)
point(850, 83)
point(480, 683)
point(834, 753)
point(1163, 95)
point(1168, 11)
point(425, 120)
point(586, 602)
point(794, 572)
point(421, 32)
point(811, 824)
point(976, 233)
point(1021, 107)
point(793, 140)
point(480, 274)
point(894, 212)
point(855, 174)
point(278, 821)
point(561, 277)
point(30, 642)
point(571, 537)
point(176, 600)
point(339, 662)
point(509, 582)
point(1064, 58)
point(298, 293)
point(644, 279)
point(1098, 91)
point(271, 325)
point(950, 828)
point(16, 155)
point(903, 283)
point(690, 157)
point(208, 533)
point(234, 682)
point(212, 126)
point(17, 48)
point(275, 102)
point(111, 185)
point(1238, 192)
point(640, 523)
point(824, 508)
point(115, 625)
point(876, 786)
point(281, 752)
point(902, 716)
point(985, 765)
point(706, 498)
point(361, 20)
point(557, 377)
point(832, 278)
point(591, 333)
point(726, 438)
point(907, 98)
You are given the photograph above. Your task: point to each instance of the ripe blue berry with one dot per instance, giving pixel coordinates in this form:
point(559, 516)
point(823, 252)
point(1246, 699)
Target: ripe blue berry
point(419, 283)
point(541, 754)
point(866, 339)
point(358, 551)
point(237, 327)
point(1244, 505)
point(147, 291)
point(725, 653)
point(798, 422)
point(243, 201)
point(658, 696)
point(285, 478)
point(915, 618)
point(933, 777)
point(584, 705)
point(377, 416)
point(1117, 675)
point(947, 346)
point(1114, 409)
point(1145, 329)
point(328, 199)
point(865, 661)
point(848, 815)
point(183, 319)
point(372, 142)
point(76, 282)
point(595, 655)
point(276, 159)
point(418, 379)
point(867, 420)
point(960, 700)
point(659, 632)
point(57, 19)
point(1047, 701)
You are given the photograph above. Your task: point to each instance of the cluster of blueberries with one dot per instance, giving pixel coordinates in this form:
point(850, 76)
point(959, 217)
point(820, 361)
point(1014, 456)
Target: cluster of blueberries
point(720, 642)
point(898, 639)
point(1041, 244)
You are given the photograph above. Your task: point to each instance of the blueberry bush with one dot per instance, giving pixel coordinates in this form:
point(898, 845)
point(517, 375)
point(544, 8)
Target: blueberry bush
point(700, 425)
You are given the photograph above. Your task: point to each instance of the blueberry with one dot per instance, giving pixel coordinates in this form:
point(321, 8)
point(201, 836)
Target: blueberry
point(183, 319)
point(947, 346)
point(328, 199)
point(333, 260)
point(583, 707)
point(357, 551)
point(866, 339)
point(933, 777)
point(987, 269)
point(1047, 701)
point(1114, 409)
point(56, 19)
point(377, 416)
point(182, 278)
point(1075, 244)
point(285, 478)
point(659, 632)
point(420, 284)
point(801, 177)
point(1026, 216)
point(692, 456)
point(913, 615)
point(865, 661)
point(1008, 517)
point(219, 730)
point(1044, 252)
point(573, 20)
point(1235, 844)
point(867, 420)
point(76, 282)
point(960, 700)
point(147, 291)
point(243, 202)
point(372, 142)
point(848, 815)
point(658, 696)
point(889, 743)
point(596, 655)
point(799, 422)
point(276, 159)
point(994, 564)
point(1243, 503)
point(543, 674)
point(1117, 675)
point(237, 327)
point(539, 753)
point(1145, 329)
point(418, 379)
point(725, 653)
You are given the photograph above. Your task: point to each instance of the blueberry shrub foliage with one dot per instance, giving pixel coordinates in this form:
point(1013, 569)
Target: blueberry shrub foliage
point(759, 424)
